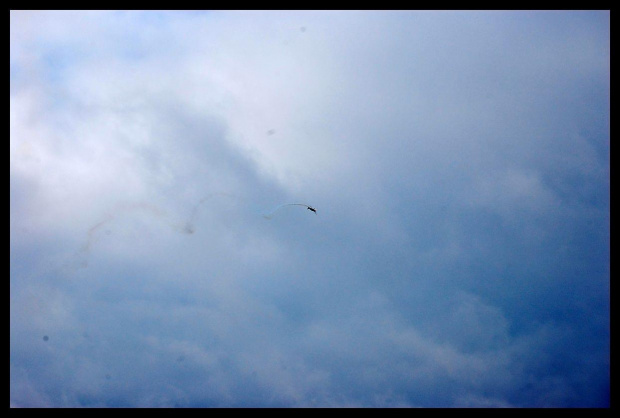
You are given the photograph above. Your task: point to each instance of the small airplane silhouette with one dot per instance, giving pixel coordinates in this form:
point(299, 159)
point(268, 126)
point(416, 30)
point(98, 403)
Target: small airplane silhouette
point(312, 209)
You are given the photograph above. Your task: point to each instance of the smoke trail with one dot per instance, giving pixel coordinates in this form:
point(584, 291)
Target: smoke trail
point(189, 226)
point(270, 214)
point(81, 255)
point(80, 258)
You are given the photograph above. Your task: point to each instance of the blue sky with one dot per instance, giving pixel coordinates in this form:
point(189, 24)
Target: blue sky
point(458, 161)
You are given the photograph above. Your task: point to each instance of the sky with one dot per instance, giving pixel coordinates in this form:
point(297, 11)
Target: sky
point(458, 162)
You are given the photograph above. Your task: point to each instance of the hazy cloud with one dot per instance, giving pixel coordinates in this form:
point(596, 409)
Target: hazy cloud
point(458, 161)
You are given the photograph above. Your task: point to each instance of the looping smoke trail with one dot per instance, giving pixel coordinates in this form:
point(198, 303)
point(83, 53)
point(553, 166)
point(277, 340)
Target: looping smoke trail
point(80, 257)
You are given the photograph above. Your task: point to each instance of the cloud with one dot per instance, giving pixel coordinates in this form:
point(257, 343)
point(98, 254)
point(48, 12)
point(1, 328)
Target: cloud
point(459, 163)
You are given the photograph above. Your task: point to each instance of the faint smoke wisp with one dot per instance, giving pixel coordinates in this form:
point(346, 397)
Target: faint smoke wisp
point(189, 227)
point(80, 258)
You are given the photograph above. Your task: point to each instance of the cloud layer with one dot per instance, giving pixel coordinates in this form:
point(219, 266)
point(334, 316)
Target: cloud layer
point(459, 163)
